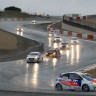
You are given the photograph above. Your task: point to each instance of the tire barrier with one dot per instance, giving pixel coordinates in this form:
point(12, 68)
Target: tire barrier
point(79, 35)
point(69, 33)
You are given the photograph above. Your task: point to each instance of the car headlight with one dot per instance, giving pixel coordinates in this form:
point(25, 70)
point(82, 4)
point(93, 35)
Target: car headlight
point(36, 57)
point(67, 46)
point(21, 29)
point(54, 53)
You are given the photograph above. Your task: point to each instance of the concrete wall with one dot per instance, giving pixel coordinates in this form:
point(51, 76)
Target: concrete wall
point(76, 29)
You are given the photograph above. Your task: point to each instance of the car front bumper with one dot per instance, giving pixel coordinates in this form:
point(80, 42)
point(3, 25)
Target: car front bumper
point(32, 59)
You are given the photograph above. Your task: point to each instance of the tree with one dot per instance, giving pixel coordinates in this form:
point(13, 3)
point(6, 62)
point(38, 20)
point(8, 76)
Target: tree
point(12, 9)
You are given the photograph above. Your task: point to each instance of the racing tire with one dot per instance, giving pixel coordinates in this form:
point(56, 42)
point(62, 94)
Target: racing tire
point(85, 88)
point(38, 60)
point(42, 59)
point(28, 61)
point(58, 87)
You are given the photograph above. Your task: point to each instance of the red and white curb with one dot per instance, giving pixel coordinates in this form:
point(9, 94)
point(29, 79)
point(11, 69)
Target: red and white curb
point(70, 33)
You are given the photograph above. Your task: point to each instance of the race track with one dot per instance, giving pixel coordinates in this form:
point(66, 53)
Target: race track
point(21, 76)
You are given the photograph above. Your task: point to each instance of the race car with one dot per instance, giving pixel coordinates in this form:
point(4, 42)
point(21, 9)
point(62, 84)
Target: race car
point(34, 57)
point(57, 39)
point(74, 40)
point(53, 53)
point(19, 29)
point(75, 81)
point(34, 21)
point(51, 34)
point(64, 45)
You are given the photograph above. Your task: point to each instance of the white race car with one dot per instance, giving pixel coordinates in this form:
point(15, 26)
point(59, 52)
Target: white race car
point(75, 81)
point(34, 57)
point(34, 21)
point(19, 29)
point(51, 34)
point(74, 40)
point(57, 39)
point(64, 45)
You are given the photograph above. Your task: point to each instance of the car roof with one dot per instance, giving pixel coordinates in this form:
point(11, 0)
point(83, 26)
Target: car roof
point(51, 49)
point(64, 43)
point(79, 73)
point(73, 37)
point(34, 52)
point(51, 32)
point(57, 37)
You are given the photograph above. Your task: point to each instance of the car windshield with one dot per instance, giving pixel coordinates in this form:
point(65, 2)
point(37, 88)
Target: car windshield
point(51, 51)
point(57, 37)
point(64, 43)
point(88, 77)
point(34, 53)
point(74, 38)
point(51, 33)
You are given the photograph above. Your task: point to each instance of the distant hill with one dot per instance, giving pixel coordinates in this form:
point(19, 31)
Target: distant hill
point(12, 14)
point(15, 15)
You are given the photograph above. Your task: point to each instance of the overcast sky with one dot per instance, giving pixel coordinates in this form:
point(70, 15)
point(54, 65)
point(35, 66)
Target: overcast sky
point(53, 7)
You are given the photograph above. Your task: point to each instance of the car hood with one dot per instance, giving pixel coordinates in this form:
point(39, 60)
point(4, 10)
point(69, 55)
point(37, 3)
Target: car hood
point(31, 56)
point(73, 40)
point(57, 38)
point(49, 52)
point(63, 45)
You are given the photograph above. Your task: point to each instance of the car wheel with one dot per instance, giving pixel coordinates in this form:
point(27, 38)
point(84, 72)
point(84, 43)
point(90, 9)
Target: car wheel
point(38, 60)
point(42, 58)
point(27, 61)
point(85, 88)
point(59, 87)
